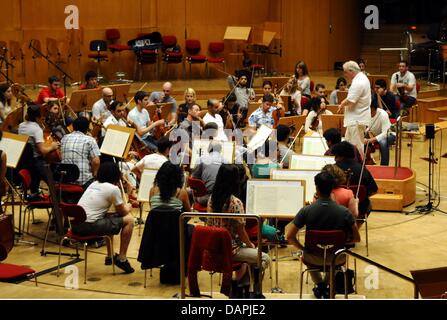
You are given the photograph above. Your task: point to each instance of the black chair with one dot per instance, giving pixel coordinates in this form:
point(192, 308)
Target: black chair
point(98, 47)
point(65, 174)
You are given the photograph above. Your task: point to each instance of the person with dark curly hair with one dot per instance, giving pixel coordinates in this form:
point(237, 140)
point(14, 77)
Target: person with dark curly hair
point(168, 189)
point(313, 119)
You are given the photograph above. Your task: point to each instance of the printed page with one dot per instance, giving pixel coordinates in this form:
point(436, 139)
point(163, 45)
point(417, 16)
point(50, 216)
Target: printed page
point(115, 143)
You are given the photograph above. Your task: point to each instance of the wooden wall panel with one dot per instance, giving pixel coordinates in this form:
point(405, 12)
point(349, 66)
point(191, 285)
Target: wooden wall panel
point(305, 27)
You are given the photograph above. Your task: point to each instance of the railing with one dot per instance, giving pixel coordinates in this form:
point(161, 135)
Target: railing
point(378, 265)
point(214, 215)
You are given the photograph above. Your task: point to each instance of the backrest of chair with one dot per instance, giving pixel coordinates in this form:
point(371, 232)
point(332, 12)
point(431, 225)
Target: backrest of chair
point(210, 249)
point(198, 187)
point(75, 213)
point(216, 47)
point(65, 172)
point(169, 41)
point(315, 239)
point(362, 191)
point(192, 46)
point(25, 178)
point(112, 34)
point(98, 45)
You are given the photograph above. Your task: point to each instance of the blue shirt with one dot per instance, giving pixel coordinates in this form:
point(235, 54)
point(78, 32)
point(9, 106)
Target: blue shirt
point(258, 118)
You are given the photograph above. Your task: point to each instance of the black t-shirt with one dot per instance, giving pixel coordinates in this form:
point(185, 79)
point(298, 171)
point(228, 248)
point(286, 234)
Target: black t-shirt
point(325, 214)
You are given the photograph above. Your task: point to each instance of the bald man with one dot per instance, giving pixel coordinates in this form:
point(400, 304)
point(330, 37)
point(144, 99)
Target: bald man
point(100, 110)
point(165, 97)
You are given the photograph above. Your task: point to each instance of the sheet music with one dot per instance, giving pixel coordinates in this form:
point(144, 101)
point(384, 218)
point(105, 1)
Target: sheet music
point(146, 183)
point(200, 148)
point(301, 161)
point(306, 175)
point(13, 149)
point(262, 134)
point(314, 145)
point(273, 197)
point(115, 143)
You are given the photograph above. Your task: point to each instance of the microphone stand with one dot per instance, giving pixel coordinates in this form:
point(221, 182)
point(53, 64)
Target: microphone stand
point(4, 59)
point(64, 74)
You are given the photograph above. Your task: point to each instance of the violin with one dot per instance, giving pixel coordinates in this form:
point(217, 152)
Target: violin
point(159, 131)
point(279, 112)
point(316, 120)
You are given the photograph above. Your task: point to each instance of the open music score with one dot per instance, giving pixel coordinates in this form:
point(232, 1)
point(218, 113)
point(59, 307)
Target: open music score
point(306, 175)
point(200, 148)
point(314, 145)
point(13, 145)
point(146, 183)
point(117, 141)
point(271, 198)
point(305, 162)
point(237, 33)
point(258, 140)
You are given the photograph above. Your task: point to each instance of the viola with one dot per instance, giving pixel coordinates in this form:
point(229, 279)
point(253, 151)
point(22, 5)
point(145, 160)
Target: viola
point(54, 156)
point(159, 131)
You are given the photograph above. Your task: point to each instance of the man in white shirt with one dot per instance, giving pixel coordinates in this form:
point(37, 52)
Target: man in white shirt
point(140, 119)
point(404, 82)
point(214, 106)
point(357, 105)
point(154, 160)
point(117, 114)
point(379, 127)
point(100, 110)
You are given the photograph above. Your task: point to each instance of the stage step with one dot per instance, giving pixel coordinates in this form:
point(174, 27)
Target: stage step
point(433, 114)
point(387, 202)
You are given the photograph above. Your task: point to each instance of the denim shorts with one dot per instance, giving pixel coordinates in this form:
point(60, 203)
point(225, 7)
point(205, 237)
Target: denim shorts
point(101, 227)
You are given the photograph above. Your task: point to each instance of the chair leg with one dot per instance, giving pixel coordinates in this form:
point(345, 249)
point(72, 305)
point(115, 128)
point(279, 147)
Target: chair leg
point(366, 236)
point(145, 277)
point(46, 236)
point(211, 285)
point(59, 256)
point(112, 251)
point(85, 262)
point(35, 278)
point(301, 280)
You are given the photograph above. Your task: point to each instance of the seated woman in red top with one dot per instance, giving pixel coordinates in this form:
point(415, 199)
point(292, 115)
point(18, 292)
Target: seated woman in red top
point(340, 194)
point(51, 93)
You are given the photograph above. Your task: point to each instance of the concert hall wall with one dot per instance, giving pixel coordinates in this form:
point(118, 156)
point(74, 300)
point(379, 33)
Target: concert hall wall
point(306, 33)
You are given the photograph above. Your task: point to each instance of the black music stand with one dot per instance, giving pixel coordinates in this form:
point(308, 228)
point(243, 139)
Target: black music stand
point(64, 74)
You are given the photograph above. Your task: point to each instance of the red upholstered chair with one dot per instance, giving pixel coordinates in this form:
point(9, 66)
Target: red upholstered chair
point(198, 190)
point(312, 86)
point(324, 243)
point(76, 215)
point(97, 48)
point(192, 48)
point(214, 49)
point(113, 35)
point(44, 203)
point(13, 272)
point(172, 53)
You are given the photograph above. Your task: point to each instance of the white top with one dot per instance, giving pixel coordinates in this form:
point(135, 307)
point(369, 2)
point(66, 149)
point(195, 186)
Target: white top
point(221, 136)
point(151, 161)
point(408, 79)
point(310, 117)
point(98, 198)
point(35, 134)
point(5, 109)
point(142, 119)
point(112, 120)
point(380, 124)
point(100, 110)
point(295, 97)
point(304, 84)
point(359, 94)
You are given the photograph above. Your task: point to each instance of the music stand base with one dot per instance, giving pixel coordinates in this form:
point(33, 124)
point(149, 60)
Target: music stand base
point(71, 255)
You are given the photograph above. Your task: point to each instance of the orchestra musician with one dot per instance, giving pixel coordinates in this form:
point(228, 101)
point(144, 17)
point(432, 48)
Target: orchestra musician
point(362, 65)
point(302, 78)
point(51, 93)
point(190, 99)
point(192, 123)
point(140, 119)
point(378, 131)
point(100, 109)
point(282, 135)
point(357, 113)
point(5, 101)
point(385, 99)
point(117, 115)
point(214, 107)
point(82, 150)
point(54, 120)
point(31, 128)
point(154, 160)
point(313, 119)
point(267, 88)
point(157, 97)
point(320, 91)
point(264, 114)
point(239, 85)
point(290, 91)
point(340, 85)
point(404, 82)
point(91, 81)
